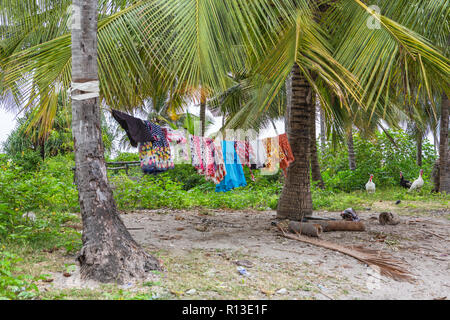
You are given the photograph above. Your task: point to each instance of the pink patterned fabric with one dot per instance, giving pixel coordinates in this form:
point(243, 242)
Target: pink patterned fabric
point(219, 165)
point(176, 136)
point(245, 152)
point(206, 159)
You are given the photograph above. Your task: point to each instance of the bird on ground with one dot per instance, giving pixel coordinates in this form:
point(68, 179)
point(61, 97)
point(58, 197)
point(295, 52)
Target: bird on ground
point(403, 182)
point(418, 183)
point(370, 186)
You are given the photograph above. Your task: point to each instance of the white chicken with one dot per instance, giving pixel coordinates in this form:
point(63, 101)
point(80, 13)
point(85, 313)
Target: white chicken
point(370, 186)
point(418, 183)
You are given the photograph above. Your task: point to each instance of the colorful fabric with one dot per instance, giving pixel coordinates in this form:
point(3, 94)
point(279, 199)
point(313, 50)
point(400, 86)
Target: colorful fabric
point(202, 154)
point(155, 155)
point(234, 177)
point(286, 155)
point(176, 136)
point(258, 154)
point(219, 165)
point(178, 145)
point(196, 153)
point(134, 127)
point(243, 151)
point(273, 154)
point(207, 158)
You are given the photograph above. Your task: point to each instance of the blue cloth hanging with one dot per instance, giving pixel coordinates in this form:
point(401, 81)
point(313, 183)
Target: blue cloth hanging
point(235, 174)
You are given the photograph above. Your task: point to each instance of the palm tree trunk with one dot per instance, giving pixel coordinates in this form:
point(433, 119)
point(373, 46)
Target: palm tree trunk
point(419, 151)
point(109, 253)
point(202, 117)
point(351, 151)
point(42, 148)
point(315, 167)
point(322, 129)
point(444, 163)
point(295, 199)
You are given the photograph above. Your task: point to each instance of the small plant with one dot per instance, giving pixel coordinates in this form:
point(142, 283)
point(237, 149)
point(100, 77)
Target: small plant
point(14, 286)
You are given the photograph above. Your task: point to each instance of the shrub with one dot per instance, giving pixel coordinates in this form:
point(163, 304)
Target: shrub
point(12, 286)
point(379, 157)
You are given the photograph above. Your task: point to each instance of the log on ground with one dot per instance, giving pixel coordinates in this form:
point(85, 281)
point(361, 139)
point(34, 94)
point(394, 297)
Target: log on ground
point(309, 229)
point(328, 226)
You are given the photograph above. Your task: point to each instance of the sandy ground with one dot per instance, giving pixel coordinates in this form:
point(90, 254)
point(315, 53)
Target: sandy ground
point(422, 242)
point(201, 251)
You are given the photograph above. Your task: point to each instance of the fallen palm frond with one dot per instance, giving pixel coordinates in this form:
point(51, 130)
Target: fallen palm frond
point(375, 259)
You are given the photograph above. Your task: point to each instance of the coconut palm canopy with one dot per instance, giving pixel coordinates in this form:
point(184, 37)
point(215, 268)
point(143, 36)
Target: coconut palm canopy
point(154, 49)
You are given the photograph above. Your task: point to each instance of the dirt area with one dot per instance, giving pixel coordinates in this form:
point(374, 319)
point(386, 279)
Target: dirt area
point(290, 269)
point(202, 251)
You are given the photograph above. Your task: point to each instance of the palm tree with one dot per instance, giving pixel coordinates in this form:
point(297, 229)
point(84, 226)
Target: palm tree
point(109, 253)
point(314, 161)
point(323, 134)
point(444, 162)
point(351, 149)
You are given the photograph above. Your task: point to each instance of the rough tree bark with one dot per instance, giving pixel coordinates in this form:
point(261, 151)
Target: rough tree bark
point(109, 253)
point(444, 163)
point(202, 117)
point(295, 200)
point(323, 133)
point(351, 150)
point(42, 148)
point(419, 151)
point(315, 167)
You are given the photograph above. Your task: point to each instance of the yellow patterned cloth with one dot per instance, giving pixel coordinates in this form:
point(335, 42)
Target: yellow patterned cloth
point(273, 155)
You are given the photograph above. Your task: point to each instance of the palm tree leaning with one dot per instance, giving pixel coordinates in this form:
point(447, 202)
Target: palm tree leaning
point(109, 253)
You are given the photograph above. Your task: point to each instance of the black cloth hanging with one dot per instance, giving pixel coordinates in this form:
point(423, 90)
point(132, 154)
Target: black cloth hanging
point(135, 128)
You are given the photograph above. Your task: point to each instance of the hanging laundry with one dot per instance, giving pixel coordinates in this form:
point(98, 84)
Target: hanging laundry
point(234, 177)
point(279, 152)
point(178, 145)
point(207, 159)
point(134, 127)
point(176, 136)
point(258, 154)
point(286, 155)
point(151, 140)
point(155, 155)
point(197, 155)
point(243, 151)
point(219, 164)
point(273, 155)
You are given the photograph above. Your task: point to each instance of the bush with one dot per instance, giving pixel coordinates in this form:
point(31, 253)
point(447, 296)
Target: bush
point(11, 286)
point(378, 157)
point(48, 190)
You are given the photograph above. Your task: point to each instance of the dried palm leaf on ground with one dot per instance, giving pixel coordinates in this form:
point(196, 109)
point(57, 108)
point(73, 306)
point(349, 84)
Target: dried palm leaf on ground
point(375, 259)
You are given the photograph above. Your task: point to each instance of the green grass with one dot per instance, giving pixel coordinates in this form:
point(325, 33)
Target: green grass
point(336, 201)
point(49, 245)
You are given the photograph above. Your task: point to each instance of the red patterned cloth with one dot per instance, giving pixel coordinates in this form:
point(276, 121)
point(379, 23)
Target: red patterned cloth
point(219, 165)
point(207, 159)
point(245, 152)
point(286, 155)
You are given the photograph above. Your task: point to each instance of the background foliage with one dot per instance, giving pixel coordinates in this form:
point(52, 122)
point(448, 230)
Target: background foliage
point(377, 156)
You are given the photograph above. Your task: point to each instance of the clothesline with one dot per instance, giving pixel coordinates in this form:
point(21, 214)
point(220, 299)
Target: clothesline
point(220, 161)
